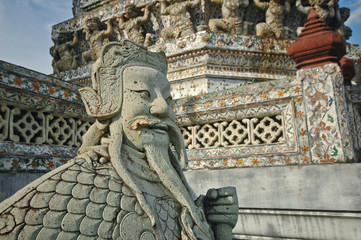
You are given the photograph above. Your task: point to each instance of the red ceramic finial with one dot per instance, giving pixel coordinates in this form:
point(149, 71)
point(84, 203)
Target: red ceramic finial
point(317, 45)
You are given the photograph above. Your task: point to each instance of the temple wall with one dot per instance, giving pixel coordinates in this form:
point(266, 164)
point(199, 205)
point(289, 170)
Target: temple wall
point(288, 179)
point(291, 121)
point(311, 192)
point(293, 202)
point(41, 124)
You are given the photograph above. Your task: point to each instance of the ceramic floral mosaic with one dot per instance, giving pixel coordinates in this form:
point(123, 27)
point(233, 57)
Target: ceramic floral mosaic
point(306, 111)
point(26, 157)
point(74, 74)
point(326, 114)
point(200, 56)
point(42, 120)
point(20, 78)
point(313, 110)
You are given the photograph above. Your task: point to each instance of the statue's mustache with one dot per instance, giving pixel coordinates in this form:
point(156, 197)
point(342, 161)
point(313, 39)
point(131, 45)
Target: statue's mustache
point(165, 124)
point(148, 121)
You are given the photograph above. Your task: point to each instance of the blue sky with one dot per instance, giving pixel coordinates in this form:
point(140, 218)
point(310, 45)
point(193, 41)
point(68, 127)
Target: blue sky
point(26, 29)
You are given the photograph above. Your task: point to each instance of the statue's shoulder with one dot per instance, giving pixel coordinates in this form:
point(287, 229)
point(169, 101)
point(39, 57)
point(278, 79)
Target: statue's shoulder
point(72, 200)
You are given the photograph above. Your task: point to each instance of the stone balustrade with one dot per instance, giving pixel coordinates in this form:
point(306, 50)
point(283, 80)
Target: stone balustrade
point(42, 120)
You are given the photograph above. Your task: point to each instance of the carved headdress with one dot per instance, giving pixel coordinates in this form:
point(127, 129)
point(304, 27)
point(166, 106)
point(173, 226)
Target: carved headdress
point(107, 76)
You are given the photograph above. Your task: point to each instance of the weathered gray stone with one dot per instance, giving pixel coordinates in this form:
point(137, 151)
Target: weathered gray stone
point(71, 222)
point(99, 195)
point(41, 200)
point(52, 219)
point(47, 187)
point(77, 206)
point(101, 182)
point(59, 202)
point(11, 183)
point(89, 226)
point(64, 188)
point(35, 216)
point(48, 233)
point(81, 191)
point(110, 213)
point(95, 210)
point(105, 229)
point(70, 176)
point(293, 187)
point(86, 178)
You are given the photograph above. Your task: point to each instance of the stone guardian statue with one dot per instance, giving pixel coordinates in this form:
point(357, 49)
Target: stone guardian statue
point(126, 182)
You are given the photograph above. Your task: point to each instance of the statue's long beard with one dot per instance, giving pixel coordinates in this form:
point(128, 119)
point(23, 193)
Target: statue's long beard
point(162, 160)
point(158, 159)
point(116, 140)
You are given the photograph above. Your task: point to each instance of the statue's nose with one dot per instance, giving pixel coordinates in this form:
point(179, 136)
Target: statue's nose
point(159, 108)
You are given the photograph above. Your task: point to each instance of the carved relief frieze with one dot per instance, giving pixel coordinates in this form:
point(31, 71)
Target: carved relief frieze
point(326, 114)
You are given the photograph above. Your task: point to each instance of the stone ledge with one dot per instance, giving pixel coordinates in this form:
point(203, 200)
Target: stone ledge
point(331, 187)
point(300, 224)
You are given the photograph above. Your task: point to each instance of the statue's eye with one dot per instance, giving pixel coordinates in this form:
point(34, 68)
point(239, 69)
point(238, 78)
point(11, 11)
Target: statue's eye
point(143, 93)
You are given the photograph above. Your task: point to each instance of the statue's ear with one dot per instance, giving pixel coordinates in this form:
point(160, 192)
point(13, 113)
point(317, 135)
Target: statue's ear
point(92, 100)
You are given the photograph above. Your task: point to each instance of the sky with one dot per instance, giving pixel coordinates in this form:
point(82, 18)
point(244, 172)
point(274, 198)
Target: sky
point(25, 27)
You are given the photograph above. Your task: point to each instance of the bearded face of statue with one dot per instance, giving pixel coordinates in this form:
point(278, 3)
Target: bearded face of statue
point(146, 109)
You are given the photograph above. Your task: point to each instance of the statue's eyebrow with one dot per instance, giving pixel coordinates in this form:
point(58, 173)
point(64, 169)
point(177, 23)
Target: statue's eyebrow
point(138, 86)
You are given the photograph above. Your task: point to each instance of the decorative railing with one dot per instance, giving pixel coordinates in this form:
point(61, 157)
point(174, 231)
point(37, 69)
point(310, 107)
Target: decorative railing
point(245, 131)
point(37, 127)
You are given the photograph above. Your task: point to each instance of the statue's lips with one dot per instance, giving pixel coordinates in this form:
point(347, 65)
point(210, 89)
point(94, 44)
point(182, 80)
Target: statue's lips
point(152, 124)
point(159, 127)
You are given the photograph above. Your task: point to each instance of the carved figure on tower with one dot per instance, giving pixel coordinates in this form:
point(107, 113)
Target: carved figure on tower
point(330, 13)
point(63, 52)
point(233, 12)
point(276, 11)
point(132, 23)
point(126, 182)
point(96, 37)
point(344, 30)
point(325, 9)
point(180, 20)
